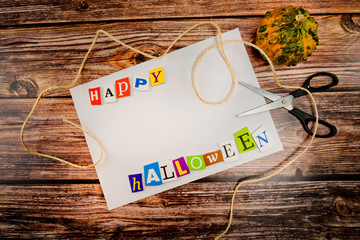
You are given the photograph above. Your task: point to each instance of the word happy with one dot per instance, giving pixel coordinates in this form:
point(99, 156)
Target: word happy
point(159, 173)
point(122, 88)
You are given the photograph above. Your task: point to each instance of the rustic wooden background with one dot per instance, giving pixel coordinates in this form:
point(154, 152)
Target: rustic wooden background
point(43, 43)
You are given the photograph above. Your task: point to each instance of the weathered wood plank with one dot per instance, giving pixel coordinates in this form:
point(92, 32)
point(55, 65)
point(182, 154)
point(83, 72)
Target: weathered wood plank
point(19, 12)
point(47, 133)
point(272, 210)
point(34, 58)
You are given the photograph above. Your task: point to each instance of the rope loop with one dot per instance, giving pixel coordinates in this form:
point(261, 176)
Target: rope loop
point(220, 43)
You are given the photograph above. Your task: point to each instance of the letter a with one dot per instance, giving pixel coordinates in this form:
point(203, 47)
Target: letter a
point(109, 93)
point(152, 174)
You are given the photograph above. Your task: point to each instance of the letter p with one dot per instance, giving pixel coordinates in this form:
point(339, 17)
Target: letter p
point(122, 88)
point(141, 84)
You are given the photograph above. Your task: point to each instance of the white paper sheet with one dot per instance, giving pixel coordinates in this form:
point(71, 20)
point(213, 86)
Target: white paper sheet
point(169, 121)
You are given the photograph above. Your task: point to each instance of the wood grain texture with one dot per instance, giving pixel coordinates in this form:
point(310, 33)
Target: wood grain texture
point(34, 58)
point(47, 133)
point(42, 44)
point(271, 210)
point(18, 12)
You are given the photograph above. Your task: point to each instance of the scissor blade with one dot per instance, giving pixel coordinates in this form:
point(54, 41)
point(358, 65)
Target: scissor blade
point(269, 95)
point(263, 108)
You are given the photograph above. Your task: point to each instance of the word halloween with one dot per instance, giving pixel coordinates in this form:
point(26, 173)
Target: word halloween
point(121, 88)
point(158, 173)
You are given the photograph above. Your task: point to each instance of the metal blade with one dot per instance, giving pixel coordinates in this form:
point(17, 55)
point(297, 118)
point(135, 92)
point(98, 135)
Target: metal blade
point(269, 95)
point(285, 102)
point(288, 102)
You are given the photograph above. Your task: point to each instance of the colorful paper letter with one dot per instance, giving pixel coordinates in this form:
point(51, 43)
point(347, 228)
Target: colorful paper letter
point(263, 139)
point(109, 94)
point(141, 84)
point(196, 163)
point(152, 174)
point(181, 167)
point(213, 157)
point(122, 88)
point(167, 170)
point(156, 76)
point(244, 140)
point(94, 94)
point(228, 150)
point(136, 184)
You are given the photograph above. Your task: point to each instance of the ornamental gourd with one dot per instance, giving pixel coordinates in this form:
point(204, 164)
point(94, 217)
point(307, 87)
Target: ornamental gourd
point(288, 35)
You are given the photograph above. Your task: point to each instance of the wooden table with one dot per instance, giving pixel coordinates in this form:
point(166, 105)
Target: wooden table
point(42, 44)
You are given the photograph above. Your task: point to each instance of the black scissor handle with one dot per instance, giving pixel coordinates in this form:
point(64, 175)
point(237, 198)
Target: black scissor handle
point(306, 118)
point(307, 84)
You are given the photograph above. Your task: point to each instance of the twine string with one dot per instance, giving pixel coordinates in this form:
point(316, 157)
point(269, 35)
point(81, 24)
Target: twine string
point(220, 43)
point(280, 85)
point(79, 74)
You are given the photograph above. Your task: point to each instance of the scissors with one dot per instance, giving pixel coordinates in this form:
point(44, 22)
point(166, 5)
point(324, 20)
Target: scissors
point(287, 102)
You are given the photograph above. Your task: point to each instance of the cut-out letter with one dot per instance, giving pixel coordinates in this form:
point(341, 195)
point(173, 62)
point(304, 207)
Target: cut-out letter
point(141, 84)
point(196, 163)
point(181, 167)
point(213, 157)
point(228, 150)
point(94, 94)
point(167, 170)
point(244, 140)
point(263, 139)
point(152, 174)
point(136, 184)
point(156, 76)
point(122, 88)
point(109, 94)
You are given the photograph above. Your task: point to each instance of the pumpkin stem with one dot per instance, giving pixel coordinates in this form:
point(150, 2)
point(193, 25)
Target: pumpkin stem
point(299, 20)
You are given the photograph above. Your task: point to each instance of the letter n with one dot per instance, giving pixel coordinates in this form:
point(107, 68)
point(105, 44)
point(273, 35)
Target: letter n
point(263, 139)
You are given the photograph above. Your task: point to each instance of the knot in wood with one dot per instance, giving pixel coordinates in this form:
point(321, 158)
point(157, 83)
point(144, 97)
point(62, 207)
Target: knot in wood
point(83, 5)
point(348, 23)
point(24, 88)
point(128, 58)
point(343, 209)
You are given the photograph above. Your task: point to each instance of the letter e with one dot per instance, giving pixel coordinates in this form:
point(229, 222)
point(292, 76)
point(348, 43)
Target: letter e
point(244, 140)
point(228, 150)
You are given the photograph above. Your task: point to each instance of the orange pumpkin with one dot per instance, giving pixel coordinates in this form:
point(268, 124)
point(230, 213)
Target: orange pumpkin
point(288, 35)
